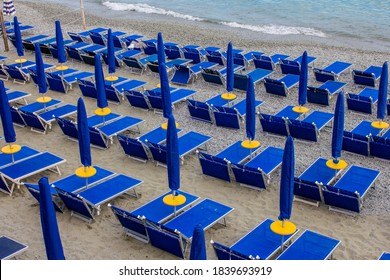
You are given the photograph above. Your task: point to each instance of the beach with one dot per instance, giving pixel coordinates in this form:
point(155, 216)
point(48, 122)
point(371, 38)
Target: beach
point(363, 236)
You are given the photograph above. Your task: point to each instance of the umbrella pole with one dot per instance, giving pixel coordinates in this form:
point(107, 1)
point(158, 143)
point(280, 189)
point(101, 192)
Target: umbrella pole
point(12, 155)
point(281, 245)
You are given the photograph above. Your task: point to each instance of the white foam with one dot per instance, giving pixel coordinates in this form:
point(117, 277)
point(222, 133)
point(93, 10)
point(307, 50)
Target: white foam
point(147, 9)
point(278, 29)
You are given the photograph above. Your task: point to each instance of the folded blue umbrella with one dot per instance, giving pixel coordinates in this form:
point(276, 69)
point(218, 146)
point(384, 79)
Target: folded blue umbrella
point(165, 91)
point(173, 158)
point(250, 124)
point(99, 83)
point(83, 134)
point(338, 127)
point(382, 94)
point(198, 244)
point(6, 117)
point(18, 38)
point(160, 49)
point(110, 53)
point(302, 90)
point(229, 68)
point(41, 77)
point(51, 234)
point(60, 43)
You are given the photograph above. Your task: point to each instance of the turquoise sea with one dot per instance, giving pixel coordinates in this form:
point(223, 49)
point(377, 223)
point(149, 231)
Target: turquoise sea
point(365, 21)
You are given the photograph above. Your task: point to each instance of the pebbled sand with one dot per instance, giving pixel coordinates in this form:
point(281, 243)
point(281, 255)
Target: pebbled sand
point(363, 236)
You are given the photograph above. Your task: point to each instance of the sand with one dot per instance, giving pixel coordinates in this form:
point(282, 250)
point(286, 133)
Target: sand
point(363, 236)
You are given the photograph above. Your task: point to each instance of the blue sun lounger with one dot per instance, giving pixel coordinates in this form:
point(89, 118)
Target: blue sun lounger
point(87, 54)
point(244, 59)
point(218, 76)
point(10, 248)
point(294, 66)
point(16, 95)
point(63, 83)
point(27, 167)
point(268, 62)
point(118, 126)
point(73, 51)
point(177, 95)
point(322, 94)
point(367, 77)
point(380, 146)
point(185, 74)
point(347, 194)
point(87, 203)
point(137, 148)
point(281, 86)
point(365, 128)
point(72, 184)
point(241, 80)
point(29, 43)
point(169, 65)
point(384, 256)
point(175, 236)
point(310, 246)
point(364, 101)
point(256, 173)
point(115, 91)
point(331, 72)
point(218, 166)
point(193, 52)
point(137, 99)
point(187, 143)
point(214, 54)
point(156, 211)
point(25, 152)
point(138, 65)
point(261, 243)
point(37, 107)
point(84, 35)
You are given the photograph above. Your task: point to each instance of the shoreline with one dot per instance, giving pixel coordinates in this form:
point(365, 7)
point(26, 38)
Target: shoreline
point(363, 236)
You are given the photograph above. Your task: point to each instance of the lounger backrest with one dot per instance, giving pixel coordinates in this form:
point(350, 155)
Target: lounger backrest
point(97, 139)
point(150, 48)
point(240, 81)
point(249, 176)
point(303, 130)
point(159, 152)
point(55, 82)
point(355, 143)
point(323, 76)
point(154, 99)
point(74, 36)
point(199, 110)
point(358, 103)
point(112, 94)
point(226, 117)
point(88, 57)
point(212, 76)
point(342, 198)
point(132, 62)
point(33, 75)
point(273, 124)
point(172, 52)
point(87, 88)
point(67, 127)
point(166, 239)
point(32, 120)
point(97, 38)
point(181, 75)
point(3, 72)
point(318, 96)
point(363, 78)
point(16, 117)
point(17, 74)
point(215, 57)
point(73, 53)
point(133, 147)
point(276, 87)
point(290, 67)
point(306, 189)
point(214, 166)
point(226, 253)
point(137, 99)
point(380, 147)
point(35, 193)
point(76, 204)
point(132, 224)
point(192, 54)
point(263, 62)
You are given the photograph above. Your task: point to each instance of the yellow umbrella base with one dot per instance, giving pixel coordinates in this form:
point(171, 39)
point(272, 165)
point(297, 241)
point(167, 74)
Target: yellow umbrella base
point(165, 125)
point(228, 96)
point(112, 78)
point(20, 60)
point(44, 99)
point(172, 200)
point(159, 85)
point(337, 166)
point(250, 144)
point(11, 149)
point(85, 171)
point(380, 124)
point(62, 67)
point(283, 228)
point(300, 109)
point(102, 111)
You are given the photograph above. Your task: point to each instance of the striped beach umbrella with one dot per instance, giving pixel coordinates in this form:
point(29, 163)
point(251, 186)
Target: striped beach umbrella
point(8, 8)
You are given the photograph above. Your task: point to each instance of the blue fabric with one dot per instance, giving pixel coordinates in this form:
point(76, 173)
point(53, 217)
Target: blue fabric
point(165, 91)
point(250, 110)
point(229, 68)
point(287, 180)
point(51, 235)
point(6, 118)
point(303, 81)
point(40, 68)
point(83, 134)
point(110, 53)
point(18, 38)
point(99, 80)
point(60, 43)
point(160, 49)
point(382, 95)
point(198, 245)
point(338, 127)
point(173, 158)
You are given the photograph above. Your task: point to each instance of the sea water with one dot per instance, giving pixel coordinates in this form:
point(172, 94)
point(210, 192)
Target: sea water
point(364, 21)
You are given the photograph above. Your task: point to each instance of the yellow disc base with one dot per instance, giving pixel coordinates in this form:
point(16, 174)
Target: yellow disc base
point(20, 60)
point(165, 125)
point(62, 67)
point(250, 144)
point(380, 124)
point(300, 109)
point(159, 85)
point(283, 228)
point(172, 200)
point(340, 165)
point(14, 148)
point(85, 171)
point(112, 78)
point(228, 96)
point(102, 111)
point(44, 99)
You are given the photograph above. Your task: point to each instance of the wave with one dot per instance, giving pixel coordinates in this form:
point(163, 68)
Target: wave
point(267, 29)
